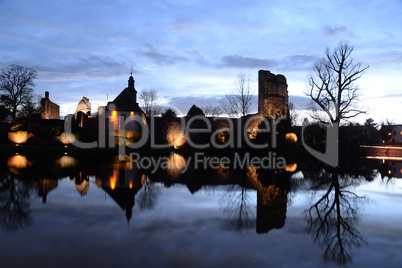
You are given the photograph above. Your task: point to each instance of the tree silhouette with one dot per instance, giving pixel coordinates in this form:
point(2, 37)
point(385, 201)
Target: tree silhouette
point(14, 203)
point(332, 85)
point(332, 219)
point(240, 100)
point(16, 84)
point(148, 195)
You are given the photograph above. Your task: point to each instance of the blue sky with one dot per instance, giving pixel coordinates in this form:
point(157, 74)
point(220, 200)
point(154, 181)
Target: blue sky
point(191, 52)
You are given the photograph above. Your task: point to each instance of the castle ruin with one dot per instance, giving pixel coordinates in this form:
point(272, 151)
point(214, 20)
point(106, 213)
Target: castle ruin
point(273, 96)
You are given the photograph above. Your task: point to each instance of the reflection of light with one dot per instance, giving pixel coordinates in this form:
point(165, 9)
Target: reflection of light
point(389, 171)
point(130, 185)
point(18, 137)
point(143, 179)
point(17, 161)
point(66, 138)
point(175, 136)
point(222, 172)
point(291, 137)
point(67, 161)
point(113, 180)
point(291, 167)
point(176, 164)
point(83, 187)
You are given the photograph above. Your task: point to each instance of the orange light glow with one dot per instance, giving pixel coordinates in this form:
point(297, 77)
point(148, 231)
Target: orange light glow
point(17, 161)
point(132, 114)
point(113, 180)
point(291, 137)
point(291, 167)
point(176, 136)
point(130, 185)
point(18, 137)
point(66, 138)
point(114, 114)
point(389, 172)
point(176, 164)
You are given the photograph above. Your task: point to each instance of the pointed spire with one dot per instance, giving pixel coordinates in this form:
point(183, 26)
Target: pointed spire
point(131, 81)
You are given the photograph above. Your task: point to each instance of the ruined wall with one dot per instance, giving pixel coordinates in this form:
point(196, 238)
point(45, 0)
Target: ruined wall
point(50, 110)
point(272, 94)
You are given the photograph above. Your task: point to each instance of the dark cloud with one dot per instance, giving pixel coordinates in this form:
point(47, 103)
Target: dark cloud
point(290, 63)
point(334, 30)
point(90, 65)
point(159, 57)
point(237, 61)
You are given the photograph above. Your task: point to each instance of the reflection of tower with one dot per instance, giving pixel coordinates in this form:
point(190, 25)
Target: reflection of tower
point(45, 186)
point(272, 95)
point(82, 183)
point(271, 208)
point(122, 185)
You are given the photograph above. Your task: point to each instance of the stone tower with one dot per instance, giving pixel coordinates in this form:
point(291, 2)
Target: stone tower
point(272, 95)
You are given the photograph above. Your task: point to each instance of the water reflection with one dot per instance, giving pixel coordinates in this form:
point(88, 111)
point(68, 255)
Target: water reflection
point(14, 202)
point(333, 218)
point(252, 196)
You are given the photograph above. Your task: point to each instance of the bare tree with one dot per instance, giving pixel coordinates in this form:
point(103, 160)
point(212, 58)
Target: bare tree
point(239, 101)
point(332, 85)
point(31, 107)
point(211, 110)
point(16, 84)
point(149, 99)
point(293, 114)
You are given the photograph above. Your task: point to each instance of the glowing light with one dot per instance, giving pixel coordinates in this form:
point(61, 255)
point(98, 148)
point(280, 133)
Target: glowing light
point(291, 137)
point(176, 164)
point(66, 138)
point(291, 167)
point(113, 180)
point(143, 179)
point(17, 161)
point(18, 136)
point(175, 136)
point(67, 161)
point(132, 114)
point(130, 185)
point(114, 114)
point(389, 171)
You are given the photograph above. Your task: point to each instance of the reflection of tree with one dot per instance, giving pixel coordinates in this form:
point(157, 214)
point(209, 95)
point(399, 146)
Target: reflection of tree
point(14, 203)
point(148, 195)
point(332, 219)
point(238, 207)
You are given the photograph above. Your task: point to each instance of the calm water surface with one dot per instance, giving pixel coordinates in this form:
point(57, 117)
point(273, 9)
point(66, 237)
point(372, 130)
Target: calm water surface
point(67, 211)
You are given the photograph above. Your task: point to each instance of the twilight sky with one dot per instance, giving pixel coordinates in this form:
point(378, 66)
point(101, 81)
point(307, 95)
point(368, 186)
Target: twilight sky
point(192, 51)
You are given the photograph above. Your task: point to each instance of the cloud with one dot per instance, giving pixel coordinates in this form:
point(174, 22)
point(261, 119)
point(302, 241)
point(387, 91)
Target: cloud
point(334, 30)
point(289, 63)
point(237, 61)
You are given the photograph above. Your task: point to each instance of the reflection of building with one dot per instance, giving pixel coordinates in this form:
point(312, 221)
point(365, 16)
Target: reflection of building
point(271, 208)
point(122, 185)
point(391, 169)
point(50, 110)
point(272, 95)
point(45, 186)
point(391, 133)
